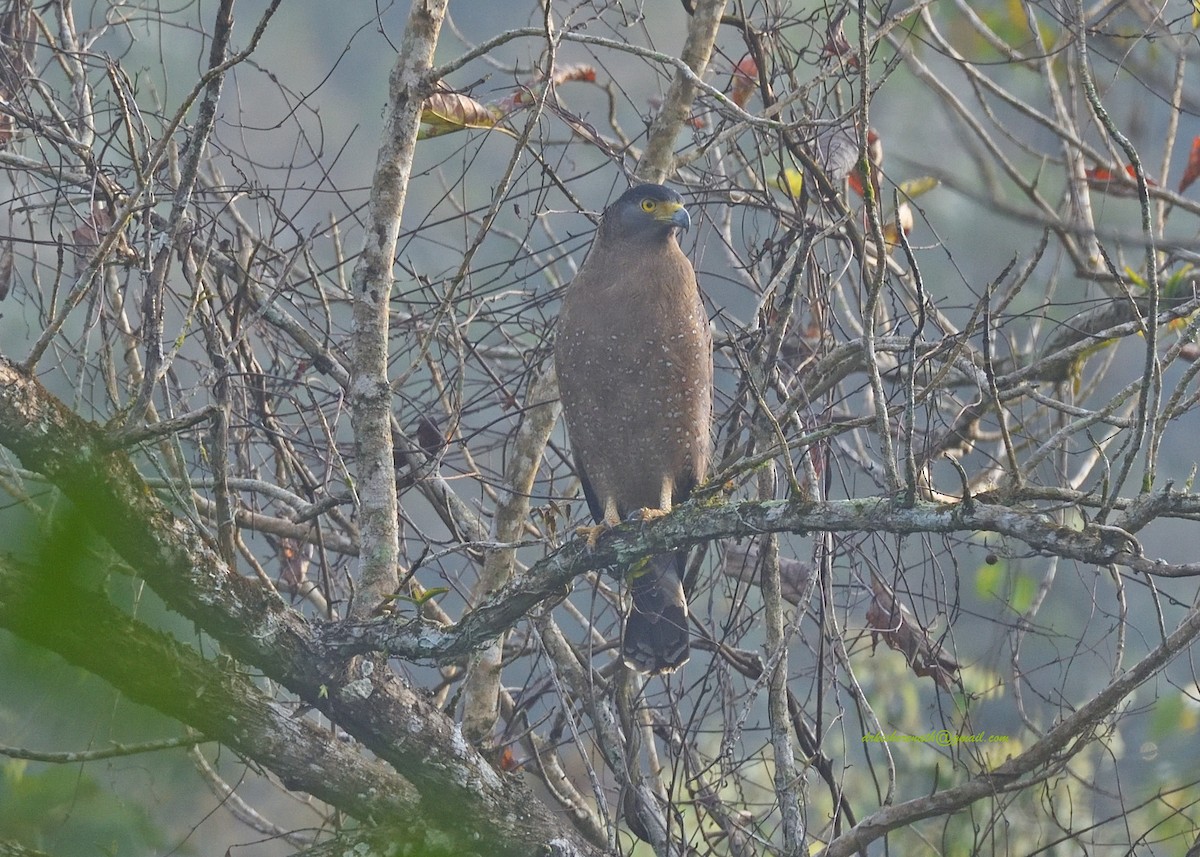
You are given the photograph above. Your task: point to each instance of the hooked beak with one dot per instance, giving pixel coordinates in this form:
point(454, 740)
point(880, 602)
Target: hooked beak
point(675, 214)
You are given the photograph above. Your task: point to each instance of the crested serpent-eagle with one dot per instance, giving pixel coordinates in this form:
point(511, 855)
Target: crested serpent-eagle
point(635, 367)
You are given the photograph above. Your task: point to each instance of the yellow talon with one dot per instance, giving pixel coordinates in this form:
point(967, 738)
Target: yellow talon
point(592, 534)
point(645, 515)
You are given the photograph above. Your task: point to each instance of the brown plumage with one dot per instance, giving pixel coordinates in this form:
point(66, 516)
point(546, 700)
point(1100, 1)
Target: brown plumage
point(634, 357)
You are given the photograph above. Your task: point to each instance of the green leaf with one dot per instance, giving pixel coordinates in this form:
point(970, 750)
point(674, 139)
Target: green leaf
point(988, 579)
point(434, 592)
point(918, 186)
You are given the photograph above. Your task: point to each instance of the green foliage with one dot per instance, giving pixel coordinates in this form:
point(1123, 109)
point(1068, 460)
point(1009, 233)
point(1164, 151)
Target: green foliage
point(1009, 22)
point(71, 809)
point(1175, 284)
point(1172, 715)
point(66, 811)
point(998, 581)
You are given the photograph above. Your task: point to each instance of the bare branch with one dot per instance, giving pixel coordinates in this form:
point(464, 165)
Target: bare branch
point(370, 393)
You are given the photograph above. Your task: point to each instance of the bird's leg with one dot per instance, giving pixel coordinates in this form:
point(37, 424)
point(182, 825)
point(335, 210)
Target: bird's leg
point(611, 519)
point(664, 503)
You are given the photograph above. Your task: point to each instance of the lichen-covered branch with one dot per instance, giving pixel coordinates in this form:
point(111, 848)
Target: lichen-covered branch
point(183, 566)
point(47, 606)
point(693, 524)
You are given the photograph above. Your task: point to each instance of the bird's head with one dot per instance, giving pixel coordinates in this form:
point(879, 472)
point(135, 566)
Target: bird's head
point(646, 212)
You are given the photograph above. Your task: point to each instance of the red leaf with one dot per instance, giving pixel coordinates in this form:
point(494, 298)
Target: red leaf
point(88, 234)
point(579, 72)
point(745, 79)
point(875, 156)
point(837, 46)
point(1106, 181)
point(576, 72)
point(508, 761)
point(293, 563)
point(1193, 167)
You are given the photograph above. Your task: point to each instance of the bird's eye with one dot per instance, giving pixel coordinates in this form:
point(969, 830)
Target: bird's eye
point(648, 205)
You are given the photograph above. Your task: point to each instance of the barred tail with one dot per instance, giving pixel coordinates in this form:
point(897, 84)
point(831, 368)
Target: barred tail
point(655, 639)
